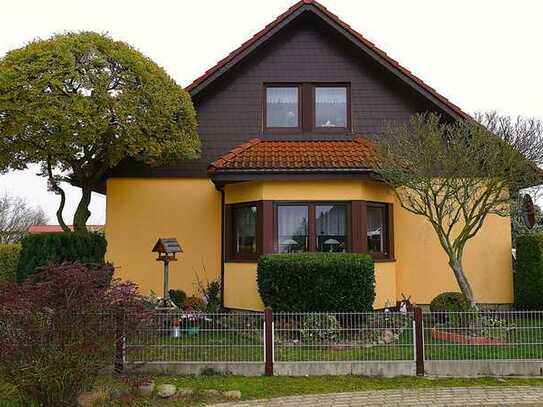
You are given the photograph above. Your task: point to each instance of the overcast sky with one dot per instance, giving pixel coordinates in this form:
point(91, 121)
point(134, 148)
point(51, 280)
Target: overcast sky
point(483, 55)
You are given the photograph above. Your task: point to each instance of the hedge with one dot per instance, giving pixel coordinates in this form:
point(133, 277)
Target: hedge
point(9, 257)
point(57, 248)
point(529, 272)
point(450, 302)
point(317, 282)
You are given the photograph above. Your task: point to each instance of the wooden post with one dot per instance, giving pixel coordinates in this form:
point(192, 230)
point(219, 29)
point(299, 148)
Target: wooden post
point(119, 345)
point(419, 342)
point(268, 341)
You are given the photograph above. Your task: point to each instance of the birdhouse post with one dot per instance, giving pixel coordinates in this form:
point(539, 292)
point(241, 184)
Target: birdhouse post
point(166, 249)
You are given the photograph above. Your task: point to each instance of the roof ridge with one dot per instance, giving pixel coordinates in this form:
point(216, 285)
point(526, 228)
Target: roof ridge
point(372, 47)
point(220, 162)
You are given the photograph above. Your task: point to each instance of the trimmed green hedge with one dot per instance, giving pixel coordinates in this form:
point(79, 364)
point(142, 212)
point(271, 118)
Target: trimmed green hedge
point(9, 257)
point(57, 248)
point(317, 282)
point(450, 302)
point(529, 272)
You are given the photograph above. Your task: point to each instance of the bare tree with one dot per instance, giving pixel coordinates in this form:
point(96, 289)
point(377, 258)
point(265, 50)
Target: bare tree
point(455, 175)
point(16, 216)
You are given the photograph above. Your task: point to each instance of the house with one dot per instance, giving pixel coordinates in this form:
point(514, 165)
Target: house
point(285, 122)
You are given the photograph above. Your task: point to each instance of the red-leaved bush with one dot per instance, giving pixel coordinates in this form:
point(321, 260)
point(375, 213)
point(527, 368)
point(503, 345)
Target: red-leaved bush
point(59, 330)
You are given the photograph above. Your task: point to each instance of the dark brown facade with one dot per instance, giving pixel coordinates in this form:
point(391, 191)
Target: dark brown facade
point(306, 50)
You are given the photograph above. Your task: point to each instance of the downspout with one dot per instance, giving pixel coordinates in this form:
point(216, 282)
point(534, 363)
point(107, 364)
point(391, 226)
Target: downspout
point(221, 190)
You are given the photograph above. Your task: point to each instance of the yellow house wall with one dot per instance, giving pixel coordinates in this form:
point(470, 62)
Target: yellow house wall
point(421, 267)
point(140, 210)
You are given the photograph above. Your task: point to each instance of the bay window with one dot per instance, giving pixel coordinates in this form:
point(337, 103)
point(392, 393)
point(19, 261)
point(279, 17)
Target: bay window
point(262, 227)
point(292, 228)
point(377, 229)
point(331, 228)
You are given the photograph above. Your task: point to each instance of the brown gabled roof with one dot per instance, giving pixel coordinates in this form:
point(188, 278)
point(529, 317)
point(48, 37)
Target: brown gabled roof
point(267, 155)
point(367, 45)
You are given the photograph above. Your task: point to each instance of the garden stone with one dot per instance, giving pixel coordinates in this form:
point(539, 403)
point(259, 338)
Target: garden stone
point(90, 398)
point(184, 392)
point(212, 393)
point(166, 390)
point(232, 394)
point(146, 389)
point(388, 336)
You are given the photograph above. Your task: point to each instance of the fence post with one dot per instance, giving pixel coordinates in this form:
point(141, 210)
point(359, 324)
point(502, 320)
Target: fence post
point(118, 365)
point(419, 341)
point(268, 341)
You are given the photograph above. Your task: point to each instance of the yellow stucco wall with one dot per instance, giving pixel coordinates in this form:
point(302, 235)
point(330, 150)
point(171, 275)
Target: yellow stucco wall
point(421, 267)
point(140, 210)
point(241, 288)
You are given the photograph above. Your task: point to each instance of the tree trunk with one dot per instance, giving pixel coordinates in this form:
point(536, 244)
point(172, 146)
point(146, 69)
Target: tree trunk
point(60, 209)
point(82, 212)
point(463, 283)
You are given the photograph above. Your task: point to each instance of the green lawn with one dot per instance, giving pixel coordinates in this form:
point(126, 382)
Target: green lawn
point(271, 387)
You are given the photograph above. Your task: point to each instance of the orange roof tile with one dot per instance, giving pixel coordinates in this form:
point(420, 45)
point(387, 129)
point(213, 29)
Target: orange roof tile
point(259, 154)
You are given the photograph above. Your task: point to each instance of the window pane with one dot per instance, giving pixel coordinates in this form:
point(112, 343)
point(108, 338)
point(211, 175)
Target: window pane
point(331, 228)
point(282, 107)
point(331, 107)
point(292, 228)
point(376, 229)
point(244, 230)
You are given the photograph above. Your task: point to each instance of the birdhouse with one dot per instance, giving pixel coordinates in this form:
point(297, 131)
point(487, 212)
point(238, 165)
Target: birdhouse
point(167, 248)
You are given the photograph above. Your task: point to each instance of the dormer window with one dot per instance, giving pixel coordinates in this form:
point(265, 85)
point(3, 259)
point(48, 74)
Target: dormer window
point(330, 107)
point(307, 108)
point(282, 107)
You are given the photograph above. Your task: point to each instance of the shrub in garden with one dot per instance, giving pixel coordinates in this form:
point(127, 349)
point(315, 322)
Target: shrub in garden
point(178, 297)
point(319, 328)
point(194, 303)
point(317, 282)
point(529, 272)
point(9, 257)
point(59, 330)
point(449, 302)
point(57, 248)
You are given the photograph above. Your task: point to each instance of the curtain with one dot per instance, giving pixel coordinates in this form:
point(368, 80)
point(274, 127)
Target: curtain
point(331, 220)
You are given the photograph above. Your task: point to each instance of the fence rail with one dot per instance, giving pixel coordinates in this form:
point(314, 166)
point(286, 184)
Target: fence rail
point(372, 336)
point(483, 335)
point(340, 338)
point(196, 337)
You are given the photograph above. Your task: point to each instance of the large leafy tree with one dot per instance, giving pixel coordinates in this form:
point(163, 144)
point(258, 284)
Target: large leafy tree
point(79, 103)
point(455, 175)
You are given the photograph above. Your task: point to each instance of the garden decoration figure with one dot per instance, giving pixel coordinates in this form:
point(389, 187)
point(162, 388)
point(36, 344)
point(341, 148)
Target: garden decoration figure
point(166, 249)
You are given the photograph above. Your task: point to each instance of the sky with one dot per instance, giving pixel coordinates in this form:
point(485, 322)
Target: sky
point(483, 55)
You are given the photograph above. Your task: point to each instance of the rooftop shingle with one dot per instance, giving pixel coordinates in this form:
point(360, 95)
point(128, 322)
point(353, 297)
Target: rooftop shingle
point(258, 154)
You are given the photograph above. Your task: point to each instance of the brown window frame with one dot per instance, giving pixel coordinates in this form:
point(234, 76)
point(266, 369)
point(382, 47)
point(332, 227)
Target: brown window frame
point(330, 130)
point(267, 228)
point(306, 109)
point(230, 240)
point(311, 222)
point(282, 130)
point(388, 239)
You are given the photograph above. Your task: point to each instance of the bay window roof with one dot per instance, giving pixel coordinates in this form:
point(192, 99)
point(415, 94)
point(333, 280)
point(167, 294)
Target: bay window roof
point(259, 155)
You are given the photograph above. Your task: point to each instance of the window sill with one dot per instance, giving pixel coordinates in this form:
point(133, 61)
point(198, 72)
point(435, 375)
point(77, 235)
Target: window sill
point(384, 260)
point(255, 260)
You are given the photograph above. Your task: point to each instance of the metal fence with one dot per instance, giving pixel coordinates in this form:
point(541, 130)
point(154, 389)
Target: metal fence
point(413, 342)
point(198, 337)
point(483, 335)
point(372, 336)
